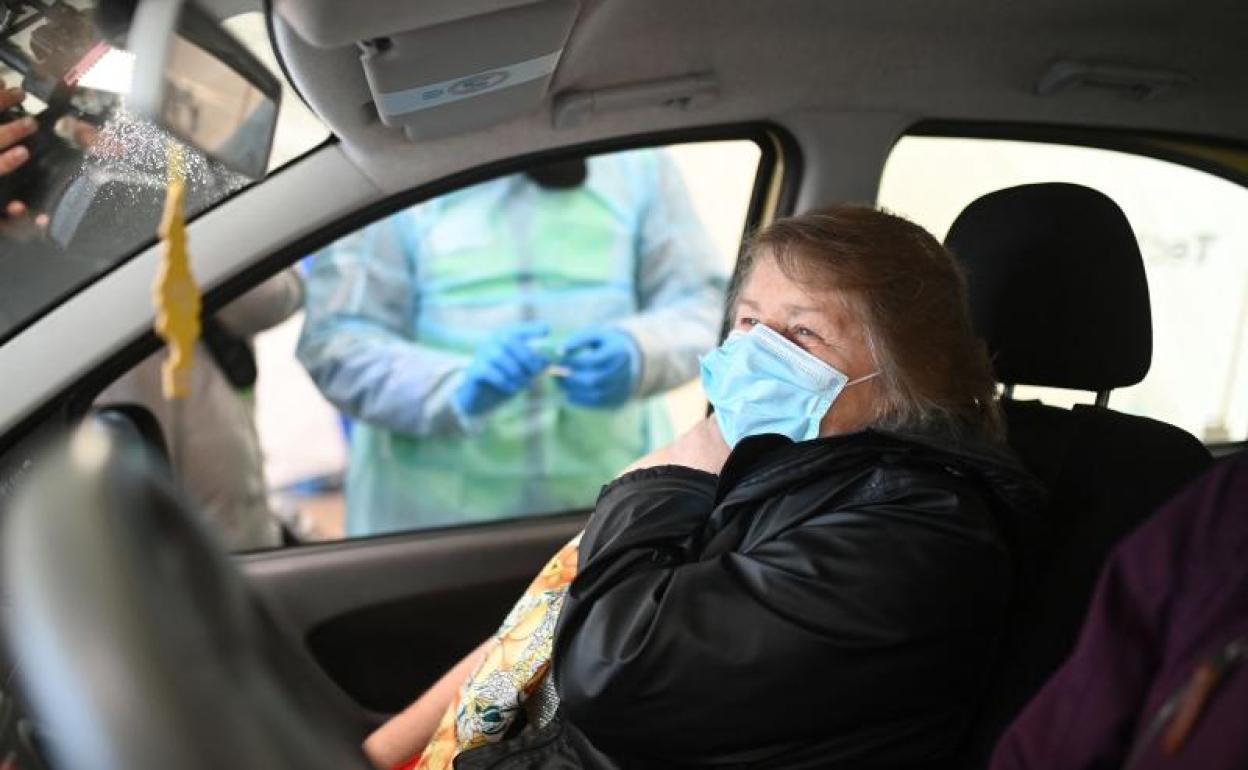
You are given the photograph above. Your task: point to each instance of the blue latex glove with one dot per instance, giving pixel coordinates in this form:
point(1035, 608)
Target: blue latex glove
point(502, 367)
point(603, 365)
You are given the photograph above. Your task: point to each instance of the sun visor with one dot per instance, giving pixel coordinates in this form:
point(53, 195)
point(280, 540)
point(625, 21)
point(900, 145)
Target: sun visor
point(467, 74)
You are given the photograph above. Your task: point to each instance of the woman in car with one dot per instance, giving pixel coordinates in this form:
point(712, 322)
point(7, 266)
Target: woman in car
point(814, 576)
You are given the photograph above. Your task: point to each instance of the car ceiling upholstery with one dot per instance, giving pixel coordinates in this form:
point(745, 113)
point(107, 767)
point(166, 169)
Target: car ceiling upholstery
point(884, 64)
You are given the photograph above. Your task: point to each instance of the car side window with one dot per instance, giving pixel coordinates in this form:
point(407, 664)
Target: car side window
point(505, 349)
point(1193, 233)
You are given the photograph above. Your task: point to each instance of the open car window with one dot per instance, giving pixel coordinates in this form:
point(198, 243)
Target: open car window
point(94, 187)
point(643, 243)
point(1193, 236)
point(497, 352)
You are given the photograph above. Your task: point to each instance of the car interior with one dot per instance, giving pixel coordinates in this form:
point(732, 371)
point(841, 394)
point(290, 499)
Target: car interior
point(159, 649)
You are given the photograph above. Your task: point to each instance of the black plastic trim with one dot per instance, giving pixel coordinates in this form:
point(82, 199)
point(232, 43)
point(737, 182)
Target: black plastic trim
point(320, 590)
point(267, 10)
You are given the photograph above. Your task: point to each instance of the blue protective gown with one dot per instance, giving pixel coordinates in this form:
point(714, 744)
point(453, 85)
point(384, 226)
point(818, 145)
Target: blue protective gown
point(395, 311)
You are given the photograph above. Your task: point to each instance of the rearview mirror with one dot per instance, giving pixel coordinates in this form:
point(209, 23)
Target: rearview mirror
point(203, 86)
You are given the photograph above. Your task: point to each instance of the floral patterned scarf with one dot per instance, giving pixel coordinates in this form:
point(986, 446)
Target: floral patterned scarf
point(515, 667)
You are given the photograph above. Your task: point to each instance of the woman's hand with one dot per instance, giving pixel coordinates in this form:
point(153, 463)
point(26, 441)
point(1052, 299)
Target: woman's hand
point(701, 447)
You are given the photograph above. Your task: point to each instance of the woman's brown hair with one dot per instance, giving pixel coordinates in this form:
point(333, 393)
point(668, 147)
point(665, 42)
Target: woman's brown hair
point(910, 294)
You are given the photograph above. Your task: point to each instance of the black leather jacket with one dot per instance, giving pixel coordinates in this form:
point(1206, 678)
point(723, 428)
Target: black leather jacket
point(832, 603)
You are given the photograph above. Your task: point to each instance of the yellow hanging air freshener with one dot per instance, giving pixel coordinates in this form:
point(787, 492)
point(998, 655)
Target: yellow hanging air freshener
point(175, 293)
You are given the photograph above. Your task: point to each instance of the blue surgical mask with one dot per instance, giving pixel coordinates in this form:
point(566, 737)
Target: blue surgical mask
point(760, 382)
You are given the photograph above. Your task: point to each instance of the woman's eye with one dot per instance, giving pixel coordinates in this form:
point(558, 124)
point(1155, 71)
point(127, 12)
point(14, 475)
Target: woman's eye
point(747, 322)
point(803, 331)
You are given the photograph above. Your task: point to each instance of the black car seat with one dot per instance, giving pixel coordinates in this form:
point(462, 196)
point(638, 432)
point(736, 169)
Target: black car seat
point(1057, 290)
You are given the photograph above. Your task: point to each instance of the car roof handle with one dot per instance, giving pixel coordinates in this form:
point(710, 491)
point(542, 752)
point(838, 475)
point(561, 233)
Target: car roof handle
point(575, 108)
point(1138, 83)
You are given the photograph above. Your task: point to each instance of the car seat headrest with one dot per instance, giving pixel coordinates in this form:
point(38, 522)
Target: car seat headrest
point(1056, 287)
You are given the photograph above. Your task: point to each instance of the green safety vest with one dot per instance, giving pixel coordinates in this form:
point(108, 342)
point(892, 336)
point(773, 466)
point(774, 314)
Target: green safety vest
point(485, 260)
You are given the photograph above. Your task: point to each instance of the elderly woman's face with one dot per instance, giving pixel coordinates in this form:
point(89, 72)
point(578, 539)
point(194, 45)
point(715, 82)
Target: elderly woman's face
point(824, 325)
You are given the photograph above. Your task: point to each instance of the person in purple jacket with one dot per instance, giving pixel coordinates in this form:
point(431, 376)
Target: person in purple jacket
point(1158, 678)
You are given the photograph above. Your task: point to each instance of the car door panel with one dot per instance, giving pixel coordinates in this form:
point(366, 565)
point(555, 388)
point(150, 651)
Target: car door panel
point(385, 617)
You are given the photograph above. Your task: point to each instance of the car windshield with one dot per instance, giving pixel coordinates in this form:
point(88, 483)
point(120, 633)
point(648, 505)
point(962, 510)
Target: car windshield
point(91, 192)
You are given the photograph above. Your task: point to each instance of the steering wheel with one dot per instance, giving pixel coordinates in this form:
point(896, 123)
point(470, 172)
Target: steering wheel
point(139, 645)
